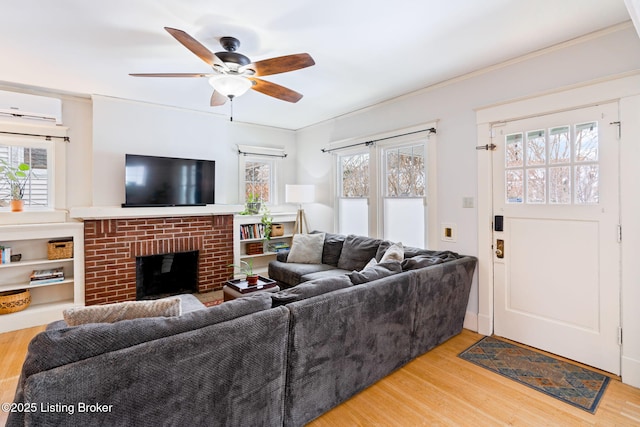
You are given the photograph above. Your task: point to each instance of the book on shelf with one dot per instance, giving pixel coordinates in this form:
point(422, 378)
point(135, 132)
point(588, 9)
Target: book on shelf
point(5, 254)
point(50, 275)
point(47, 281)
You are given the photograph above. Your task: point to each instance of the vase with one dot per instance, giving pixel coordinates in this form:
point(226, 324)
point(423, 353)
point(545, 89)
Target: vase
point(17, 205)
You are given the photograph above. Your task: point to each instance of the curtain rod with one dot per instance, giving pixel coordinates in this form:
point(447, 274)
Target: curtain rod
point(373, 141)
point(245, 153)
point(47, 137)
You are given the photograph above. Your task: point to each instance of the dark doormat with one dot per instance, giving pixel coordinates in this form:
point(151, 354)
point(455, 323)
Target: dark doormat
point(565, 381)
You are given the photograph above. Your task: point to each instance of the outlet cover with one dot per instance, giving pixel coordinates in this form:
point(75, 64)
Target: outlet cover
point(448, 232)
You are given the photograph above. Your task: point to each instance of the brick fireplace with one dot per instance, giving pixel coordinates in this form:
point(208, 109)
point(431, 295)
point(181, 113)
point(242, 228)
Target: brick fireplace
point(112, 245)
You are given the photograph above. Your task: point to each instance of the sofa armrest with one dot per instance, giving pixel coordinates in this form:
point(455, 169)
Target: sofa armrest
point(282, 255)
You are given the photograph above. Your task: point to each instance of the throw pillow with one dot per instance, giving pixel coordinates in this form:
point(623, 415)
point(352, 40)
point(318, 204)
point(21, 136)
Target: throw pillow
point(375, 272)
point(426, 260)
point(394, 253)
point(306, 248)
point(371, 263)
point(110, 313)
point(357, 251)
point(332, 248)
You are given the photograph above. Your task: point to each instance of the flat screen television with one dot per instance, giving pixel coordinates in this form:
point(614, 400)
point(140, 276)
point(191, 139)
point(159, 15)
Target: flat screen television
point(168, 181)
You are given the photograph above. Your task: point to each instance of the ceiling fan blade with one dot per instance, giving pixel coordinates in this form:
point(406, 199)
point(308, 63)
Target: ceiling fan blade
point(275, 90)
point(282, 64)
point(171, 74)
point(196, 47)
point(217, 99)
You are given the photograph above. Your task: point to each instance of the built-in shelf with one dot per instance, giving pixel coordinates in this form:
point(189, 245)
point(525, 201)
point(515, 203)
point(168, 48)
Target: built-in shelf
point(48, 300)
point(261, 260)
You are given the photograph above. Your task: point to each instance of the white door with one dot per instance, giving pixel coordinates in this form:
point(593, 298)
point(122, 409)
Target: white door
point(557, 273)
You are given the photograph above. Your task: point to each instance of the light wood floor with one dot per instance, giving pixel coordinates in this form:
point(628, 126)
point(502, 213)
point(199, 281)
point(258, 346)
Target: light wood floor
point(436, 389)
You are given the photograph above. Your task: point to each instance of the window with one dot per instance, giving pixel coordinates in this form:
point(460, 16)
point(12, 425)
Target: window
point(553, 166)
point(37, 186)
point(353, 181)
point(259, 179)
point(405, 169)
point(404, 183)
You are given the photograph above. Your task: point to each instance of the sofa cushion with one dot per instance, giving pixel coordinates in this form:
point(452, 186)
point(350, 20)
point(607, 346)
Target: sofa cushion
point(394, 253)
point(428, 259)
point(290, 274)
point(110, 313)
point(323, 274)
point(306, 248)
point(357, 251)
point(310, 289)
point(378, 271)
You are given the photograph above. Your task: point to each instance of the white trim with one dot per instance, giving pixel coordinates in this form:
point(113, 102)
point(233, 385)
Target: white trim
point(610, 89)
point(633, 7)
point(471, 321)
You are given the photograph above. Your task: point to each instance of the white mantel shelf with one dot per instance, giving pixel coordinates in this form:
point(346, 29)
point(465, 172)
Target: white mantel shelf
point(109, 212)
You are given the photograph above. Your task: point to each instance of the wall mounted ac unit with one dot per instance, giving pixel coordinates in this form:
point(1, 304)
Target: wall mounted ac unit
point(22, 106)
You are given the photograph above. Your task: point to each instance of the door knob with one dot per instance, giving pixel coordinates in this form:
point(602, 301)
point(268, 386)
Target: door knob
point(500, 248)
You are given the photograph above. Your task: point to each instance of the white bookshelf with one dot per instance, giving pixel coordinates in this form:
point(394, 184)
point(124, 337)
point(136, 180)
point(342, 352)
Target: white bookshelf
point(260, 261)
point(50, 299)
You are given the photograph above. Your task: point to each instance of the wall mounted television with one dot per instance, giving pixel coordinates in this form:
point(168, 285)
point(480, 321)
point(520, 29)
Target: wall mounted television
point(168, 181)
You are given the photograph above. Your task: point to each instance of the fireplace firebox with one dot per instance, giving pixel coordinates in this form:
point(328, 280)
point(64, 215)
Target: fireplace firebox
point(163, 275)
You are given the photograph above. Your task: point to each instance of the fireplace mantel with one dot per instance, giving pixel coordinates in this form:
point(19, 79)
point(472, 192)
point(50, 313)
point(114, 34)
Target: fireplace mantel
point(117, 212)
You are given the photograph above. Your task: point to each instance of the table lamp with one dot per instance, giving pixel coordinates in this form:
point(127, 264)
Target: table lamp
point(300, 194)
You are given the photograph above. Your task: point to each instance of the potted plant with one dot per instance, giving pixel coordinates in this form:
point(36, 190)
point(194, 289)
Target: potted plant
point(253, 204)
point(267, 222)
point(246, 268)
point(15, 177)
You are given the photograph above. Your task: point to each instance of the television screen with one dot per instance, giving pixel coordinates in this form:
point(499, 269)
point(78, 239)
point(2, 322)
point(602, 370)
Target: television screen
point(168, 181)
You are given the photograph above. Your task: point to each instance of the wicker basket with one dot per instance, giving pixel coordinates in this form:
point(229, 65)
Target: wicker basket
point(12, 301)
point(60, 249)
point(277, 230)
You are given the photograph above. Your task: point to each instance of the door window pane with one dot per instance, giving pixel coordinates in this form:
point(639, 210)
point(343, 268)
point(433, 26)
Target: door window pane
point(559, 145)
point(587, 142)
point(560, 185)
point(536, 148)
point(513, 153)
point(536, 185)
point(587, 184)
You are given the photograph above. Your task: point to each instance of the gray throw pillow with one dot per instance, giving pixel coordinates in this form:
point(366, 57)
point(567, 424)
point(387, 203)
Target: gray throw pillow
point(332, 248)
point(306, 248)
point(375, 272)
point(357, 251)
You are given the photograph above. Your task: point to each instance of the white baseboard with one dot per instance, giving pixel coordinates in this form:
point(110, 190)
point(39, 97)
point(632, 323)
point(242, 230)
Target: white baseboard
point(631, 371)
point(471, 321)
point(485, 324)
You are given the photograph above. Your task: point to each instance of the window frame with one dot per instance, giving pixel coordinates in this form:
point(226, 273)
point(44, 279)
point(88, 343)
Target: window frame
point(56, 152)
point(272, 162)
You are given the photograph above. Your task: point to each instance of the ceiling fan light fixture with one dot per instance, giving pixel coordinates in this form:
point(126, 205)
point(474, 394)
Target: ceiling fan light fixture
point(230, 85)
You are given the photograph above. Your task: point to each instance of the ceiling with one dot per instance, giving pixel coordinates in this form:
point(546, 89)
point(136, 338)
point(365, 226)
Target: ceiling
point(366, 52)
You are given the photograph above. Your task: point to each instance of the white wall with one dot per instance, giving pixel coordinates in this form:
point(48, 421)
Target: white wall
point(453, 104)
point(121, 126)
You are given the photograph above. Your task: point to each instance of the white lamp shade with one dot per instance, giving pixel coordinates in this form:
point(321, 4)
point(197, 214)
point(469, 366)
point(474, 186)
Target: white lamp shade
point(300, 193)
point(230, 85)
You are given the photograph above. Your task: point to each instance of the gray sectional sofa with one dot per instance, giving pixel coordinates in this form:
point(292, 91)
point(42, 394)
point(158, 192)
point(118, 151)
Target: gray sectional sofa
point(269, 359)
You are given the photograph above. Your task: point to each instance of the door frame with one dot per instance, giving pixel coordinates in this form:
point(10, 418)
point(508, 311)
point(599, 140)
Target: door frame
point(611, 89)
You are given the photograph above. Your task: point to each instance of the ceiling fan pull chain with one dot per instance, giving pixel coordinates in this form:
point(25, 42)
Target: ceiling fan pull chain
point(231, 104)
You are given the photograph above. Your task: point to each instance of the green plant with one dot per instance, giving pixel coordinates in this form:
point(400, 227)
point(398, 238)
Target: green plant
point(15, 177)
point(252, 204)
point(245, 268)
point(267, 221)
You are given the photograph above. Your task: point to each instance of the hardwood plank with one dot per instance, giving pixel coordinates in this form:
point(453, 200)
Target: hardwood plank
point(436, 389)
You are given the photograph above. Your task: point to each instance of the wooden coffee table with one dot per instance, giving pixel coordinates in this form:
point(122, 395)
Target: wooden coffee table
point(238, 288)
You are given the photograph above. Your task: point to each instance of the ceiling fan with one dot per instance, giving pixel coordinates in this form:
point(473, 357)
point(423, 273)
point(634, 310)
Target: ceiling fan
point(234, 73)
